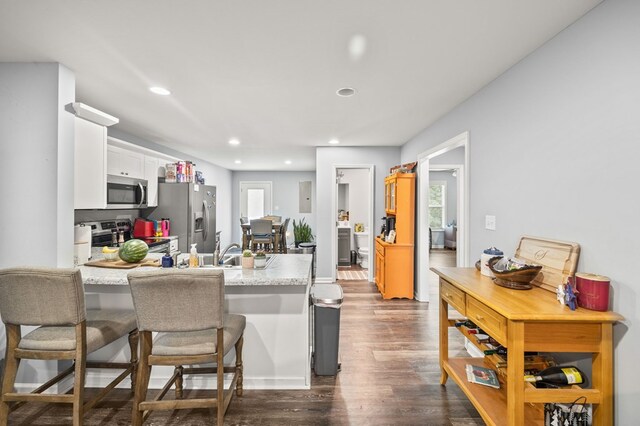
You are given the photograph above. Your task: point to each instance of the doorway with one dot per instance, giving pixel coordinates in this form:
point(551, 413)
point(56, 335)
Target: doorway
point(435, 158)
point(255, 199)
point(353, 226)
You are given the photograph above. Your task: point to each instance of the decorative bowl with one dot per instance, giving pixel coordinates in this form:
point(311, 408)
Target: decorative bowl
point(111, 256)
point(519, 279)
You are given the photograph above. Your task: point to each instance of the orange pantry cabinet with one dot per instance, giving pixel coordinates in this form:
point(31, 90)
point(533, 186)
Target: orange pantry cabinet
point(394, 261)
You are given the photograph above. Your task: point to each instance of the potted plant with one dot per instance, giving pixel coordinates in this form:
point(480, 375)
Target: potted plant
point(302, 232)
point(247, 259)
point(260, 259)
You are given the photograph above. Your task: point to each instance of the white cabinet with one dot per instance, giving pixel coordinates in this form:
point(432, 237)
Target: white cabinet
point(90, 163)
point(151, 176)
point(123, 162)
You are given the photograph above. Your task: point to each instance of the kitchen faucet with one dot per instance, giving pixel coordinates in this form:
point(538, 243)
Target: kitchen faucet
point(230, 246)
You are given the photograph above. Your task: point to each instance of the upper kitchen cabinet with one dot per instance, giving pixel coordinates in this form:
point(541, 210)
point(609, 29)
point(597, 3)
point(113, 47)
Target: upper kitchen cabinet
point(124, 162)
point(129, 160)
point(90, 165)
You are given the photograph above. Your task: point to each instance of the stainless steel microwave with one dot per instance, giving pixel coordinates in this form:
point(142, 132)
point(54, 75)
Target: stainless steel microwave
point(126, 193)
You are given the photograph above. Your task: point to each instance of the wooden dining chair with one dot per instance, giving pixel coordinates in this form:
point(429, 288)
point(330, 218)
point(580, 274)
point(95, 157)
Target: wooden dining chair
point(53, 299)
point(186, 308)
point(283, 235)
point(261, 233)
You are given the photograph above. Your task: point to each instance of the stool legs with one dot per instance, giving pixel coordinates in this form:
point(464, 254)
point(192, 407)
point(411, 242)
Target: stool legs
point(179, 371)
point(79, 373)
point(133, 346)
point(142, 382)
point(238, 346)
point(11, 364)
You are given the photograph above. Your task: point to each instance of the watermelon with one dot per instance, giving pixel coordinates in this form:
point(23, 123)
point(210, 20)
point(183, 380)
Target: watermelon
point(133, 251)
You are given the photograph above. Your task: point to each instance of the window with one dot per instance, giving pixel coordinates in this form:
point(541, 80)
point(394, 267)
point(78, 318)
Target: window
point(437, 199)
point(255, 199)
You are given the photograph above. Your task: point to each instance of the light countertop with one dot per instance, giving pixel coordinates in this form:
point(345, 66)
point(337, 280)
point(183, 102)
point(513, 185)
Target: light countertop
point(285, 269)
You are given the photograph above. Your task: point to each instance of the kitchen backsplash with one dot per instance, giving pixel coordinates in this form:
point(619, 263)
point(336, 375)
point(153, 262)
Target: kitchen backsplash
point(97, 215)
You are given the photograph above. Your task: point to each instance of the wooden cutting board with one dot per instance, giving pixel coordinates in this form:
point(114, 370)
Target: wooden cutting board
point(121, 264)
point(559, 260)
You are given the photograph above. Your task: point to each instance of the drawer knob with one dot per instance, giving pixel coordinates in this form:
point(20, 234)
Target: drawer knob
point(448, 294)
point(479, 317)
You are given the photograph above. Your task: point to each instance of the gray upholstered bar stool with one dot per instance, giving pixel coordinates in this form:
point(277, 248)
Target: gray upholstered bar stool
point(186, 308)
point(54, 300)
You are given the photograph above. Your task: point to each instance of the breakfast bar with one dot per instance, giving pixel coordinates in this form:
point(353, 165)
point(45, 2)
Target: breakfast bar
point(274, 300)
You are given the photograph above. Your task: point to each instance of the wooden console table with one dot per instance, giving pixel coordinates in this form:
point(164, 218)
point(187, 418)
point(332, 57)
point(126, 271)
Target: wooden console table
point(525, 320)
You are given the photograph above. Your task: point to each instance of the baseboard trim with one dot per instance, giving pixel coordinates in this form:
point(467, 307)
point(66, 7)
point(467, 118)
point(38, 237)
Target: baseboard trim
point(100, 380)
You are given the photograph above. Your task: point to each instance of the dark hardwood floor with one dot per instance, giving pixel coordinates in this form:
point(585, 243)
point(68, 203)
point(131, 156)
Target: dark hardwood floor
point(390, 376)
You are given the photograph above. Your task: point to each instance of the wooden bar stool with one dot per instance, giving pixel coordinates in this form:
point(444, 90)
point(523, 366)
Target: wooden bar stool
point(186, 308)
point(54, 300)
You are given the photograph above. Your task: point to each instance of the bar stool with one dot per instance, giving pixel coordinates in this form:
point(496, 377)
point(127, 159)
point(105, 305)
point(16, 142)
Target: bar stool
point(186, 308)
point(54, 300)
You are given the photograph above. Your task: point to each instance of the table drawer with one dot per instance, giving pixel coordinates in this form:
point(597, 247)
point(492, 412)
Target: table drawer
point(487, 319)
point(452, 296)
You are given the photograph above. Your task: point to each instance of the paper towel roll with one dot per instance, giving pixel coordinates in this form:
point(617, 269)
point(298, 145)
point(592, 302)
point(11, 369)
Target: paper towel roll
point(82, 244)
point(81, 234)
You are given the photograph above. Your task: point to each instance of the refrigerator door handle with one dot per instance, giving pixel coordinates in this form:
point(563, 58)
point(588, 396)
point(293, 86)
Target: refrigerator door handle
point(205, 214)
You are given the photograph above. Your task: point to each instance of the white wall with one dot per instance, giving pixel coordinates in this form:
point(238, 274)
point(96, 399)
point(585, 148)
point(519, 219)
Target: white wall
point(213, 174)
point(554, 153)
point(36, 191)
point(383, 158)
point(284, 199)
point(36, 147)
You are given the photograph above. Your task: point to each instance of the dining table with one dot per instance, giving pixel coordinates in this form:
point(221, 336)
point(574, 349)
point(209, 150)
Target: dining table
point(246, 235)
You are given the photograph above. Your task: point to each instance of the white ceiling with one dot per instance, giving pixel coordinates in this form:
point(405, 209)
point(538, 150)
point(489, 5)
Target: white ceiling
point(266, 71)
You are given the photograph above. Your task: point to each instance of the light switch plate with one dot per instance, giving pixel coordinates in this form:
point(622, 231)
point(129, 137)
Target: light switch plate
point(490, 222)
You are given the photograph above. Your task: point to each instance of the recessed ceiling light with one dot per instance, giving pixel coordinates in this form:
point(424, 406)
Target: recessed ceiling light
point(234, 141)
point(238, 161)
point(334, 141)
point(287, 161)
point(345, 92)
point(159, 90)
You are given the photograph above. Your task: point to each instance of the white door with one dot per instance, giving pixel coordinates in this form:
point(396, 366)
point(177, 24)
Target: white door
point(255, 199)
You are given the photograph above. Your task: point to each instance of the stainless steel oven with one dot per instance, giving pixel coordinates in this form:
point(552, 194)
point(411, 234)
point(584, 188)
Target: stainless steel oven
point(126, 193)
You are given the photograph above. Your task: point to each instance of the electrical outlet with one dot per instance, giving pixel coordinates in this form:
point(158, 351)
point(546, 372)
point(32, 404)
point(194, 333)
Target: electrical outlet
point(490, 222)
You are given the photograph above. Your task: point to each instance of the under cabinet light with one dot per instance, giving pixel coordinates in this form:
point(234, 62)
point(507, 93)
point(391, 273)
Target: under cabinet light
point(91, 114)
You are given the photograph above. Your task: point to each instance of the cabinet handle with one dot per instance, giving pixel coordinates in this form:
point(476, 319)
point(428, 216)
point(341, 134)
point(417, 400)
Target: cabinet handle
point(479, 317)
point(448, 294)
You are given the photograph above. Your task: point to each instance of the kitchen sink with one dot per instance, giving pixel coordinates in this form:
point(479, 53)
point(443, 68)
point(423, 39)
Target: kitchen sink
point(234, 261)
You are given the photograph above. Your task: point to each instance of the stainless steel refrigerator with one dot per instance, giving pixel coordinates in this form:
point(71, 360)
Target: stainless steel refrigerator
point(191, 209)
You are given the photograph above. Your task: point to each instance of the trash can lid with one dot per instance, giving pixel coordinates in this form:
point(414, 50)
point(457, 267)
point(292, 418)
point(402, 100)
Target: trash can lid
point(327, 295)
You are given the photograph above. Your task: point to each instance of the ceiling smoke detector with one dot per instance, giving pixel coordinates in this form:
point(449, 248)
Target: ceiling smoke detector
point(346, 92)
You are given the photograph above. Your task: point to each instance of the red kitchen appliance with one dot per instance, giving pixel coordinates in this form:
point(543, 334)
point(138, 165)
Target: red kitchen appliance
point(143, 228)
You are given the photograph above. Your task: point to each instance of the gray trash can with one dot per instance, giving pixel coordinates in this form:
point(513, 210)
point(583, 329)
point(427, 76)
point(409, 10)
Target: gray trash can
point(310, 248)
point(327, 300)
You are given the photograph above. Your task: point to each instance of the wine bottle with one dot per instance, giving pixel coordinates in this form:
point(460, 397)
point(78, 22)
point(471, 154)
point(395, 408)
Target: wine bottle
point(567, 375)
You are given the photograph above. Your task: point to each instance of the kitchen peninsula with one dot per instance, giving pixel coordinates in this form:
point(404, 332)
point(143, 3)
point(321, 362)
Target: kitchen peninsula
point(275, 302)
